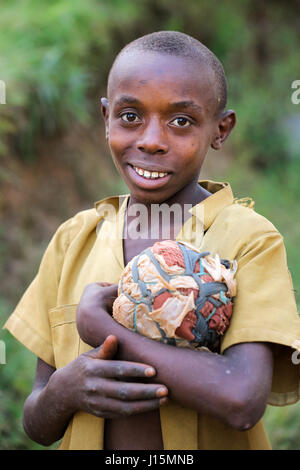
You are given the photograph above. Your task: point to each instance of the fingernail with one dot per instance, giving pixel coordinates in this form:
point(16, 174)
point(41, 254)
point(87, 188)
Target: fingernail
point(163, 401)
point(149, 371)
point(161, 392)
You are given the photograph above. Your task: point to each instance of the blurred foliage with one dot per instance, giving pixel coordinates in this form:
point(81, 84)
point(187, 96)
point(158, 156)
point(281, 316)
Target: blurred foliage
point(16, 380)
point(54, 59)
point(55, 55)
point(51, 55)
point(277, 198)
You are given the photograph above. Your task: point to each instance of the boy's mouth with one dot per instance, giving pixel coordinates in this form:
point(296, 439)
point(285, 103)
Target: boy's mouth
point(148, 179)
point(149, 174)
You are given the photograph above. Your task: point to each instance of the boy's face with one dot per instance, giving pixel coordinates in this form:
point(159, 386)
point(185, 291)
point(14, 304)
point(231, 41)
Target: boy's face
point(160, 122)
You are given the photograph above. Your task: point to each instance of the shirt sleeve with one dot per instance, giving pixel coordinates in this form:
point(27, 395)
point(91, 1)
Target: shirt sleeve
point(29, 322)
point(265, 311)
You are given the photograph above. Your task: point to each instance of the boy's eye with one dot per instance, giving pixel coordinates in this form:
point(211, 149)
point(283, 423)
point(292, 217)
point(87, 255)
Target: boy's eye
point(129, 117)
point(181, 122)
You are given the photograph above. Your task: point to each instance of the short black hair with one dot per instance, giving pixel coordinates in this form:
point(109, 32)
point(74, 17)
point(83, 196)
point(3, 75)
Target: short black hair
point(182, 45)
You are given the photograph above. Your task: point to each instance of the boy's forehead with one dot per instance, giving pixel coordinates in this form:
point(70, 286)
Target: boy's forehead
point(183, 75)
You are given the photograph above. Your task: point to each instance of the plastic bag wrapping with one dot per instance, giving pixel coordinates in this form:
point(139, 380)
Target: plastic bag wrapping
point(172, 293)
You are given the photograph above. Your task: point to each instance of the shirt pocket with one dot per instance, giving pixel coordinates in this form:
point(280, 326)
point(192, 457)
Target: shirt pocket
point(65, 338)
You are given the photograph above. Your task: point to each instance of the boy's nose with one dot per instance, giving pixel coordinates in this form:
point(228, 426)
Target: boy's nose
point(153, 139)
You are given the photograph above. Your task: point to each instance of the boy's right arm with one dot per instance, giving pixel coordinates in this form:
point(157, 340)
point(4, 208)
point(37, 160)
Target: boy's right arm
point(93, 383)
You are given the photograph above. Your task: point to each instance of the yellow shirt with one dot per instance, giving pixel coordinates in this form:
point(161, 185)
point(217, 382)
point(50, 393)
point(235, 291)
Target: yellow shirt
point(264, 308)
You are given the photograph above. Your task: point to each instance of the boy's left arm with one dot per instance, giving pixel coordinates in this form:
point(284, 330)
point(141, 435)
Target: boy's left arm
point(233, 387)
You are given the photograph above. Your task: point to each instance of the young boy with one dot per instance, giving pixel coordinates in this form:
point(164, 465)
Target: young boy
point(113, 388)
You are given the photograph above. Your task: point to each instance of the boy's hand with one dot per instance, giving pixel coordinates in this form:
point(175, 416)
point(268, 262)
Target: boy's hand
point(95, 310)
point(99, 294)
point(100, 385)
point(107, 293)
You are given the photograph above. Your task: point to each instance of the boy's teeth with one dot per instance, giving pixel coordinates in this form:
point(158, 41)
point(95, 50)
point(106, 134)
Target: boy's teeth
point(149, 174)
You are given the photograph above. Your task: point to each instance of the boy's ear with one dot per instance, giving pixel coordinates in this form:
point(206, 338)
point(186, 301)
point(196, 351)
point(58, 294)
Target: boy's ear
point(224, 127)
point(105, 113)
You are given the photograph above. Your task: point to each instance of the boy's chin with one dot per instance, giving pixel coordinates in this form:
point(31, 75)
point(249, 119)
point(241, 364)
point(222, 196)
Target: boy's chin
point(159, 196)
point(148, 199)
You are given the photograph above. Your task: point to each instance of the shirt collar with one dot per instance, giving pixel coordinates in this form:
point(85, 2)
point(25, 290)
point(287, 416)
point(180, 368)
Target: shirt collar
point(111, 206)
point(221, 197)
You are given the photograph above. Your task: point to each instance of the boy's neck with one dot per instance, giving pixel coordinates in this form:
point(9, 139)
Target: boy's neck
point(191, 194)
point(155, 222)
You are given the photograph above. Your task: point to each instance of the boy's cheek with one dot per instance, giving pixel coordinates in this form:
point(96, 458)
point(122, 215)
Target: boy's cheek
point(118, 141)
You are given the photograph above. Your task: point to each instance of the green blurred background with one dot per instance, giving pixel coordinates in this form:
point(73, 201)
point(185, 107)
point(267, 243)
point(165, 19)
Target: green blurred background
point(54, 59)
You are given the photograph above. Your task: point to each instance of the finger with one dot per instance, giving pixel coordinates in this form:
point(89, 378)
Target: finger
point(104, 284)
point(109, 287)
point(96, 288)
point(107, 350)
point(130, 391)
point(120, 369)
point(111, 293)
point(117, 369)
point(114, 408)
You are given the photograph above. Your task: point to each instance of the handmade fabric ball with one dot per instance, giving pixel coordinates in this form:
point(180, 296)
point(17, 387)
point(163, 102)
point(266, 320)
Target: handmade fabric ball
point(175, 294)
